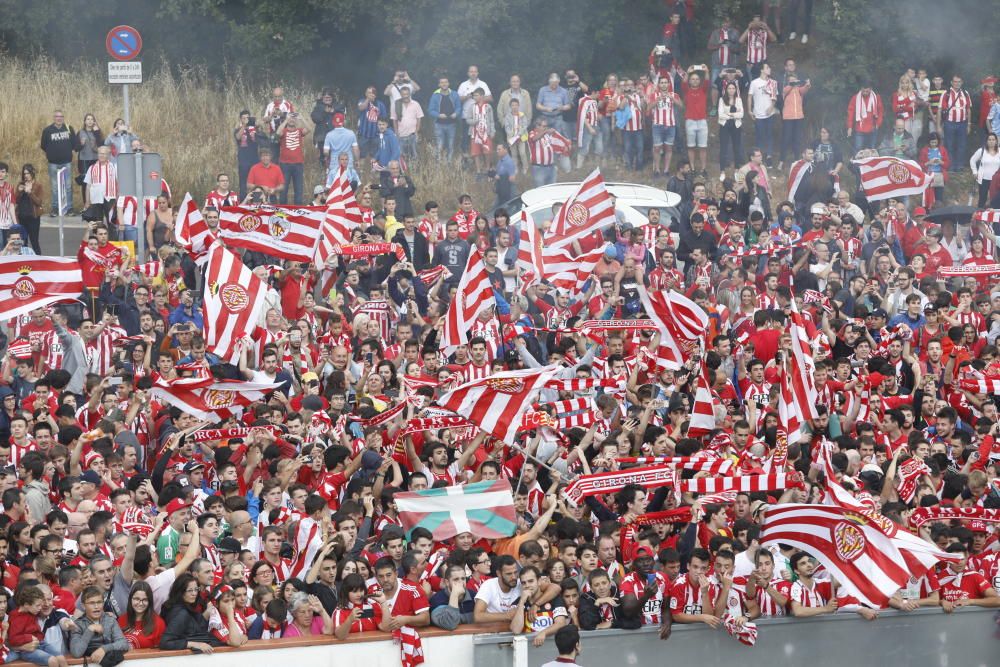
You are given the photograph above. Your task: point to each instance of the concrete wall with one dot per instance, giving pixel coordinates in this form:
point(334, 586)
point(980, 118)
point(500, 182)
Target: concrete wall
point(968, 638)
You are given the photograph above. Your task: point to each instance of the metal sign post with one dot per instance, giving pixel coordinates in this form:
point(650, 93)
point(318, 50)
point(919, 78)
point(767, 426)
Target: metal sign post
point(124, 43)
point(62, 196)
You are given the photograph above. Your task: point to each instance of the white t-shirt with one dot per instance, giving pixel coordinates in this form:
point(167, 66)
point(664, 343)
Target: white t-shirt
point(161, 583)
point(498, 602)
point(763, 103)
point(466, 90)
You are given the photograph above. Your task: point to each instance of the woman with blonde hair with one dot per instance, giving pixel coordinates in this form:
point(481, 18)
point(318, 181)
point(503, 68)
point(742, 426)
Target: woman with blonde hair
point(905, 104)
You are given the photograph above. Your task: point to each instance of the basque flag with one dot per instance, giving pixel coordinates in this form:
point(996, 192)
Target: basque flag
point(485, 509)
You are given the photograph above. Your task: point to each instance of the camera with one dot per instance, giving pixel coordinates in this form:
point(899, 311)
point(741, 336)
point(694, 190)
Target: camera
point(252, 122)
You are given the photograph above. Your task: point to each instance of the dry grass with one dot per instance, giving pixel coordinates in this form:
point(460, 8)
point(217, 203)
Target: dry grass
point(188, 116)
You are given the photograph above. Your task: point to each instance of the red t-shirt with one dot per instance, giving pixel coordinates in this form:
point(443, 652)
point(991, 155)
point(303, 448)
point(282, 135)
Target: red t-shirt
point(695, 101)
point(341, 615)
point(409, 599)
point(969, 585)
point(268, 177)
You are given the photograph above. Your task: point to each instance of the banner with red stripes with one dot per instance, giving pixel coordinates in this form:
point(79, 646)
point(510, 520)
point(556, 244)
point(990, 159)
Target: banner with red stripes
point(885, 177)
point(233, 300)
point(30, 282)
point(288, 232)
point(589, 210)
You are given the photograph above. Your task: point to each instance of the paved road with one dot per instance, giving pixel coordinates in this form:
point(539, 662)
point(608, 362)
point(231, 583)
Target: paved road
point(73, 230)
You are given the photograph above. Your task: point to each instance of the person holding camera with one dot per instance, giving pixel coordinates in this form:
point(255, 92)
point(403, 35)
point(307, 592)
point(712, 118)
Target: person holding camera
point(291, 160)
point(119, 141)
point(245, 135)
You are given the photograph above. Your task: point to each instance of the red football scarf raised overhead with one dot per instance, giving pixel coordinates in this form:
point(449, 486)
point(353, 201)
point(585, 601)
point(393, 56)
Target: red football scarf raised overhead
point(885, 177)
point(191, 231)
point(589, 210)
point(342, 215)
point(800, 169)
point(474, 295)
point(233, 300)
point(869, 564)
point(922, 515)
point(496, 404)
point(289, 232)
point(988, 270)
point(30, 282)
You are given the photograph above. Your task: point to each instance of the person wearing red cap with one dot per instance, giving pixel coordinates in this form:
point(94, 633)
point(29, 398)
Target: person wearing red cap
point(642, 584)
point(178, 512)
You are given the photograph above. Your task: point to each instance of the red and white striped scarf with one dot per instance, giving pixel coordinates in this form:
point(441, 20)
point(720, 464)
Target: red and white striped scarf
point(864, 107)
point(105, 174)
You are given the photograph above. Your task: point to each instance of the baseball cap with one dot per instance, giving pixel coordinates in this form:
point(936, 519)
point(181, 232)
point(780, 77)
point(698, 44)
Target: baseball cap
point(610, 252)
point(175, 505)
point(91, 477)
point(978, 526)
point(309, 377)
point(871, 467)
point(642, 551)
point(878, 312)
point(318, 190)
point(929, 307)
point(338, 120)
point(229, 545)
point(919, 211)
point(191, 466)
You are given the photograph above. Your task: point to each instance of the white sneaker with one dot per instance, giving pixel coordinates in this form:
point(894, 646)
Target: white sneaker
point(722, 176)
point(805, 39)
point(791, 36)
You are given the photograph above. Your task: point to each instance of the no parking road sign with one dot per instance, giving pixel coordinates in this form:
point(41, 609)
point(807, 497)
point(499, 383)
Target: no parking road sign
point(123, 42)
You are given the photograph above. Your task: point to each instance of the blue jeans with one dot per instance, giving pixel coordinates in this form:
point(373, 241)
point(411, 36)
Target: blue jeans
point(864, 140)
point(408, 146)
point(129, 233)
point(292, 171)
point(633, 149)
point(39, 656)
point(54, 186)
point(606, 135)
point(367, 146)
point(954, 140)
point(543, 174)
point(444, 137)
point(765, 130)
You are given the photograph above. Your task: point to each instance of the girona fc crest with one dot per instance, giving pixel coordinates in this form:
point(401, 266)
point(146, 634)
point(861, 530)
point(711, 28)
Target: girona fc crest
point(249, 223)
point(898, 173)
point(234, 297)
point(506, 385)
point(216, 399)
point(577, 215)
point(848, 540)
point(278, 226)
point(24, 287)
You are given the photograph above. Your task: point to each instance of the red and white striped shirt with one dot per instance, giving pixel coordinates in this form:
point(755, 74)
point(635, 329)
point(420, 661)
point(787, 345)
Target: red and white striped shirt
point(634, 103)
point(217, 200)
point(6, 199)
point(686, 598)
point(663, 109)
point(100, 351)
point(128, 210)
point(652, 611)
point(817, 596)
point(587, 114)
point(473, 372)
point(768, 606)
point(955, 105)
point(52, 349)
point(103, 182)
point(540, 149)
point(756, 46)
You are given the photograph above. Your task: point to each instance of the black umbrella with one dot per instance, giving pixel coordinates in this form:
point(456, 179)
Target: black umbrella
point(960, 214)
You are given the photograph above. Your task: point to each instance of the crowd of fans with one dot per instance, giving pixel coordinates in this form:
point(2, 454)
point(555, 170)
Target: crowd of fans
point(123, 530)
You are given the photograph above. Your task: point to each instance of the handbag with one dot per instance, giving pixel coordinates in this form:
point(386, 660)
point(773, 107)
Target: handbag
point(93, 213)
point(937, 179)
point(622, 117)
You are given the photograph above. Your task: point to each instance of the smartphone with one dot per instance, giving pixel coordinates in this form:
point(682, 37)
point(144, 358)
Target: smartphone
point(370, 356)
point(114, 381)
point(367, 613)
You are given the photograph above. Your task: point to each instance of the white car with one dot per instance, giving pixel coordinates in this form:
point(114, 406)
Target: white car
point(633, 201)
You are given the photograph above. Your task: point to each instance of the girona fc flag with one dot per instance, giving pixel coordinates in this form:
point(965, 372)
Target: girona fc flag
point(590, 209)
point(30, 282)
point(871, 564)
point(233, 299)
point(289, 232)
point(496, 404)
point(209, 399)
point(885, 177)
